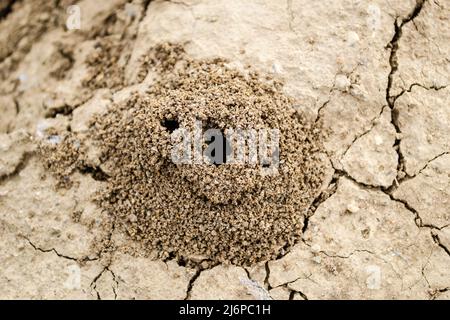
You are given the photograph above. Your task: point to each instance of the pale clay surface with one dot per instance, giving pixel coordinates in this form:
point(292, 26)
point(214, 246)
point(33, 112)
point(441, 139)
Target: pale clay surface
point(384, 231)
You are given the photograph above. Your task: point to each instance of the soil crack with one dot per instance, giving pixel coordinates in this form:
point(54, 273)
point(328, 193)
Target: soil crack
point(393, 62)
point(191, 283)
point(35, 247)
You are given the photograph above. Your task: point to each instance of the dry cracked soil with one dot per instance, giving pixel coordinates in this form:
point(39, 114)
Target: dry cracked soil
point(375, 73)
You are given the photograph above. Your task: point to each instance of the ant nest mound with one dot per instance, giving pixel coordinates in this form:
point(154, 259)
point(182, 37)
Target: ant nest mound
point(211, 163)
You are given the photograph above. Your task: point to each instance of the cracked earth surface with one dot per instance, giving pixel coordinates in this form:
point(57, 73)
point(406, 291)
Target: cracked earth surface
point(377, 74)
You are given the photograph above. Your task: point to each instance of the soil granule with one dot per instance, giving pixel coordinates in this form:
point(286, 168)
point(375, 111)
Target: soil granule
point(230, 213)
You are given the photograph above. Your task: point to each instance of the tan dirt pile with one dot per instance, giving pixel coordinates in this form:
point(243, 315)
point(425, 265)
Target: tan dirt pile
point(219, 213)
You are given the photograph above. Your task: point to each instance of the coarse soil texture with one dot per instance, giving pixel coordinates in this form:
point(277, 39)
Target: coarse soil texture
point(239, 213)
point(93, 205)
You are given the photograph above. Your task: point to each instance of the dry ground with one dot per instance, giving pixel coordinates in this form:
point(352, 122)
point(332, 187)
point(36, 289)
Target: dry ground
point(376, 72)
